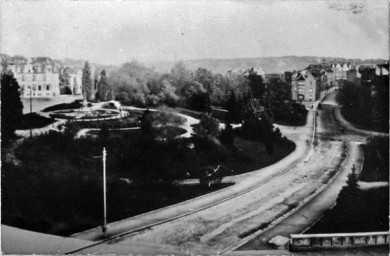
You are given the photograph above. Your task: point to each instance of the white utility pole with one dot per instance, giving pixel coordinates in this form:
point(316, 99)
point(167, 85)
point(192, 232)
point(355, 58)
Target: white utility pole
point(104, 227)
point(30, 110)
point(104, 191)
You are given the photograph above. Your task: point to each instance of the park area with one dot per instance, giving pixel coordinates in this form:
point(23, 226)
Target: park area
point(62, 176)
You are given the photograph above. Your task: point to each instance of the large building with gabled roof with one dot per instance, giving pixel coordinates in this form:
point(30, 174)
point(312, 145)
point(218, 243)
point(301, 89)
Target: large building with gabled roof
point(37, 77)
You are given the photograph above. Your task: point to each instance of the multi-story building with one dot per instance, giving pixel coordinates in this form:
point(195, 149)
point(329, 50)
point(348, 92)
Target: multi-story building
point(304, 86)
point(36, 78)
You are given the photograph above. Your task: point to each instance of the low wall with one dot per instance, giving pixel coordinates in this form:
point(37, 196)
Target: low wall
point(326, 92)
point(338, 240)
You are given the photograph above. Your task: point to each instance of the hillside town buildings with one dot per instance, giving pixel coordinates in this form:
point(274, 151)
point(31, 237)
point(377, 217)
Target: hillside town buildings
point(306, 84)
point(45, 77)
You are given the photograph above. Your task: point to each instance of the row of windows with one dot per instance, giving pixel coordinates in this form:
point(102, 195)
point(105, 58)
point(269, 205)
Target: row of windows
point(17, 70)
point(39, 87)
point(35, 78)
point(300, 89)
point(41, 94)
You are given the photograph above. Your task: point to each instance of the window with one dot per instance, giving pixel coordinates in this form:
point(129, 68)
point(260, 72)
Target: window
point(47, 87)
point(39, 88)
point(34, 77)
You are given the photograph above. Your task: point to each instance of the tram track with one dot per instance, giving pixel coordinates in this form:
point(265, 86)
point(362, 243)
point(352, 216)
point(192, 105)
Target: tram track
point(193, 211)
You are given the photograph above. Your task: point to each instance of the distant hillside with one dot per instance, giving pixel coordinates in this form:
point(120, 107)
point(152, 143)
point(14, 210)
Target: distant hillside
point(269, 64)
point(80, 64)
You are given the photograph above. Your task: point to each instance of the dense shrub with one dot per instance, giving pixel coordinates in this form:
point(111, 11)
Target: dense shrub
point(356, 211)
point(366, 106)
point(73, 105)
point(376, 160)
point(33, 121)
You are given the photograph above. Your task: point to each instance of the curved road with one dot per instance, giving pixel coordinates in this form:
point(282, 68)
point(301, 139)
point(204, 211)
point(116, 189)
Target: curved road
point(216, 228)
point(257, 206)
point(310, 213)
point(243, 182)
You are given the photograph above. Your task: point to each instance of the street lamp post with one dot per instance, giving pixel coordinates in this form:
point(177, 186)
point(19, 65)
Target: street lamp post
point(104, 228)
point(30, 110)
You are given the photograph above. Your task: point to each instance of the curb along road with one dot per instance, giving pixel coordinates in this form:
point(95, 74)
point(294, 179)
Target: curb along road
point(252, 187)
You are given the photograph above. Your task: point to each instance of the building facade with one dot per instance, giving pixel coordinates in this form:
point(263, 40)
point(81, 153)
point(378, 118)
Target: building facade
point(304, 86)
point(36, 79)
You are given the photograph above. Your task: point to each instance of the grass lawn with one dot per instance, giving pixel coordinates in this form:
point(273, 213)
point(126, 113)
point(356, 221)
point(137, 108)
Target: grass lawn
point(70, 215)
point(176, 131)
point(126, 122)
point(364, 124)
point(253, 156)
point(135, 132)
point(33, 121)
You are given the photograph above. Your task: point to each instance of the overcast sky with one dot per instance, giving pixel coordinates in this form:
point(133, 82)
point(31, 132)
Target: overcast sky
point(120, 31)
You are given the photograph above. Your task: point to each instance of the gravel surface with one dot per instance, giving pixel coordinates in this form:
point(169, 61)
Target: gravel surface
point(215, 228)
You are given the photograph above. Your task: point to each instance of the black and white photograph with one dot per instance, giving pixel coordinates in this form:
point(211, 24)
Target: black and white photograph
point(220, 127)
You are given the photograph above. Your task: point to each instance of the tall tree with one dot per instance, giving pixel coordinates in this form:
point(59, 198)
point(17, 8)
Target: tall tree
point(205, 77)
point(104, 90)
point(208, 126)
point(234, 109)
point(257, 85)
point(196, 97)
point(11, 106)
point(87, 81)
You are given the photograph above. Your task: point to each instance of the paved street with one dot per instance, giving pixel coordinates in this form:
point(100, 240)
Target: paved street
point(218, 227)
point(215, 228)
point(314, 209)
point(306, 216)
point(222, 225)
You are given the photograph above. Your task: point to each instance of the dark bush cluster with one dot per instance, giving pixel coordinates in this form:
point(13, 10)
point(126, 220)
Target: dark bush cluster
point(73, 105)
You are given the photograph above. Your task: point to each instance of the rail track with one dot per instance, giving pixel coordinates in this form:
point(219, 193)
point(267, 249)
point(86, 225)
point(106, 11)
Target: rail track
point(258, 185)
